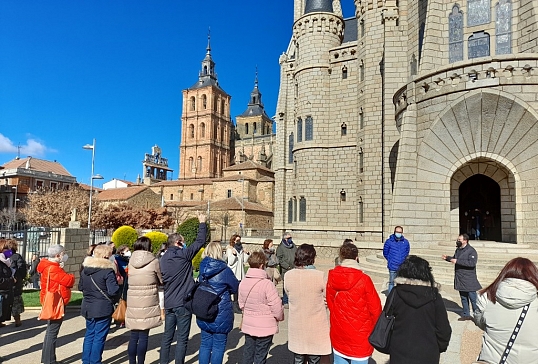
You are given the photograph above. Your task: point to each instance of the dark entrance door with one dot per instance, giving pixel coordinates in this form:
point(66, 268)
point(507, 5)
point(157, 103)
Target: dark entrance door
point(480, 208)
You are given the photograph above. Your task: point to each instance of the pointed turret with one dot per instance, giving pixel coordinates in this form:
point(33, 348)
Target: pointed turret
point(207, 75)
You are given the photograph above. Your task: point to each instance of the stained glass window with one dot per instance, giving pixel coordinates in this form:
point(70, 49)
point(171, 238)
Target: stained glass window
point(455, 35)
point(478, 12)
point(503, 27)
point(478, 45)
point(302, 209)
point(290, 154)
point(299, 130)
point(309, 128)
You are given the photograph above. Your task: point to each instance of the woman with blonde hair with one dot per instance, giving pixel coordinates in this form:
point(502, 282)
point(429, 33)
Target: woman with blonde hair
point(222, 281)
point(501, 305)
point(262, 309)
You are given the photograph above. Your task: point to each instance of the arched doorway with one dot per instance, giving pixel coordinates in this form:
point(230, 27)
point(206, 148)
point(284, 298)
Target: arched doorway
point(480, 208)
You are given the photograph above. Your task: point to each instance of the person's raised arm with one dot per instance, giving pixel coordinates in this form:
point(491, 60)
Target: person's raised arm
point(193, 249)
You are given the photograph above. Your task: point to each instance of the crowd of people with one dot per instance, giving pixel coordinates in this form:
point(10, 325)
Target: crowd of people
point(327, 314)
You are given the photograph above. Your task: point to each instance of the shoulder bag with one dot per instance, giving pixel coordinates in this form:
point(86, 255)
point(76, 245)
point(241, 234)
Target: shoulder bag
point(243, 312)
point(380, 336)
point(202, 301)
point(121, 307)
point(53, 304)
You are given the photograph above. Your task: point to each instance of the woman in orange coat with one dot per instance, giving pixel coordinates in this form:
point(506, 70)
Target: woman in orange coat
point(53, 277)
point(355, 307)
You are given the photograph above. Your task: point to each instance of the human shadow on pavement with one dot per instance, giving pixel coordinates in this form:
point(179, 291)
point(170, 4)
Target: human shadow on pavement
point(452, 306)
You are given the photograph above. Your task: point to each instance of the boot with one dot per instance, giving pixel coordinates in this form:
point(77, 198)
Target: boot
point(17, 320)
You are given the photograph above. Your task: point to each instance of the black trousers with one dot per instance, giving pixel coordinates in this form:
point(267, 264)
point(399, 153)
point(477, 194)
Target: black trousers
point(256, 349)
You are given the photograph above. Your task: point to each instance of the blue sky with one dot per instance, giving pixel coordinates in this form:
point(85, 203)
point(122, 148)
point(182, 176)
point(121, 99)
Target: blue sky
point(71, 71)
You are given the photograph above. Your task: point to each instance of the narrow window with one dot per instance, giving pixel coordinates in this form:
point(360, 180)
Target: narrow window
point(222, 110)
point(299, 130)
point(363, 28)
point(343, 131)
point(478, 45)
point(255, 129)
point(503, 27)
point(361, 160)
point(455, 35)
point(191, 130)
point(202, 130)
point(290, 211)
point(192, 196)
point(361, 211)
point(222, 133)
point(361, 118)
point(229, 193)
point(295, 168)
point(193, 103)
point(246, 128)
point(361, 69)
point(199, 163)
point(309, 128)
point(302, 209)
point(215, 103)
point(191, 163)
point(295, 209)
point(53, 186)
point(204, 101)
point(344, 72)
point(290, 150)
point(171, 196)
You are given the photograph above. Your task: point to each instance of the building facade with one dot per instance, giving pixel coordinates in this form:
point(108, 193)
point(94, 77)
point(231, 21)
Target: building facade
point(415, 113)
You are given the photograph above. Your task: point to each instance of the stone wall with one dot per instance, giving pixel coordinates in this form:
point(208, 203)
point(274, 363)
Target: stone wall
point(76, 243)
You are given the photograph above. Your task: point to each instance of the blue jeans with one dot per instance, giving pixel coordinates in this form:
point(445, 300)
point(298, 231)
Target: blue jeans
point(138, 346)
point(465, 298)
point(94, 340)
point(256, 349)
point(176, 318)
point(339, 360)
point(392, 275)
point(212, 347)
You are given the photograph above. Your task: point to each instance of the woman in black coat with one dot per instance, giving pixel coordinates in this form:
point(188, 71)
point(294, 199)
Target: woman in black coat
point(421, 328)
point(6, 284)
point(18, 264)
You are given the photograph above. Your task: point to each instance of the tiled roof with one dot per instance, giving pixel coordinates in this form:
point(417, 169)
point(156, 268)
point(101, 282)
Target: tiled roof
point(86, 187)
point(185, 182)
point(184, 203)
point(234, 203)
point(247, 165)
point(266, 179)
point(124, 193)
point(36, 164)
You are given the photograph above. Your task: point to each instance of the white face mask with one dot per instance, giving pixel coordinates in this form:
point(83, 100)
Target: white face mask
point(127, 254)
point(64, 258)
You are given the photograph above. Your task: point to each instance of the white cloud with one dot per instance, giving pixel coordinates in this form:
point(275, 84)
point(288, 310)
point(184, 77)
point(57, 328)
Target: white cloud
point(32, 147)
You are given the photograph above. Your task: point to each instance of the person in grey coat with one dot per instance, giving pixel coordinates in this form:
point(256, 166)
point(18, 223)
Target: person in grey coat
point(465, 281)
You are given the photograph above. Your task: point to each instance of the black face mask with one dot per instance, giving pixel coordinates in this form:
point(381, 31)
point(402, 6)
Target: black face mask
point(458, 244)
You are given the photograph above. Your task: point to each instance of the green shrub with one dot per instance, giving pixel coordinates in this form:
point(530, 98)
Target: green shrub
point(124, 235)
point(197, 260)
point(189, 230)
point(157, 239)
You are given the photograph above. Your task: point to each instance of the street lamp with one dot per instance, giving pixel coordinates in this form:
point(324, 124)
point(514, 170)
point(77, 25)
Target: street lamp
point(92, 177)
point(242, 204)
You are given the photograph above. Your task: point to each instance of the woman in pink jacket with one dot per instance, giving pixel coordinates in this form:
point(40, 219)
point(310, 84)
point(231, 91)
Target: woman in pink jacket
point(262, 309)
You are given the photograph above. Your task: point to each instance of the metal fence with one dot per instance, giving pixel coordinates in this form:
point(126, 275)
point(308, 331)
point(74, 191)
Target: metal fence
point(99, 236)
point(35, 240)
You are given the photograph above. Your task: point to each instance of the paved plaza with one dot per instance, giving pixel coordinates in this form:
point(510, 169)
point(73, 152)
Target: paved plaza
point(23, 345)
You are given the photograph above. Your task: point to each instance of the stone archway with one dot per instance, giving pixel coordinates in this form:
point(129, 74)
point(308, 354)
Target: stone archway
point(500, 223)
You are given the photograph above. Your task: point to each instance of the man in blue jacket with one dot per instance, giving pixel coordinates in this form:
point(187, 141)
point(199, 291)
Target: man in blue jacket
point(395, 250)
point(176, 270)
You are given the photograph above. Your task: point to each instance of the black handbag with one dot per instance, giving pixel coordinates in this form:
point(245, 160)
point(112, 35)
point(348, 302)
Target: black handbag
point(380, 336)
point(202, 301)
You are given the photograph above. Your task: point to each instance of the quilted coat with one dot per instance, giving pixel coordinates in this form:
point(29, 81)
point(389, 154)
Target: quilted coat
point(465, 279)
point(354, 309)
point(97, 302)
point(57, 277)
point(395, 251)
point(261, 304)
point(222, 280)
point(143, 311)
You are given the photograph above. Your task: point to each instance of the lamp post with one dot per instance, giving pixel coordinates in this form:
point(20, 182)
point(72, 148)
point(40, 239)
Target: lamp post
point(92, 177)
point(15, 205)
point(242, 204)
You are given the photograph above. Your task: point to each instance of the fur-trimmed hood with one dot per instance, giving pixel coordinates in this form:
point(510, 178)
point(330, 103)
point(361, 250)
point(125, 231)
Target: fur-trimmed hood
point(414, 292)
point(92, 265)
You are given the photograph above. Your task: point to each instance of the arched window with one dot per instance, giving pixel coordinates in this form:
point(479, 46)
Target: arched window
point(309, 128)
point(290, 151)
point(246, 128)
point(191, 130)
point(363, 30)
point(295, 209)
point(290, 211)
point(193, 103)
point(299, 130)
point(255, 129)
point(202, 130)
point(204, 101)
point(191, 163)
point(343, 129)
point(361, 118)
point(455, 35)
point(361, 210)
point(222, 134)
point(344, 72)
point(361, 70)
point(361, 161)
point(478, 45)
point(199, 163)
point(503, 27)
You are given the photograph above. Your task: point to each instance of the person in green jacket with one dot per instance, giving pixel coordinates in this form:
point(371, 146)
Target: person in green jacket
point(286, 259)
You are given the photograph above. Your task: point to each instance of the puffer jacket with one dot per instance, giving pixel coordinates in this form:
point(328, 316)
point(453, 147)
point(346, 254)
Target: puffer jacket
point(286, 256)
point(354, 309)
point(499, 319)
point(21, 270)
point(465, 279)
point(98, 302)
point(6, 292)
point(58, 276)
point(222, 280)
point(143, 311)
point(261, 304)
point(421, 328)
point(395, 251)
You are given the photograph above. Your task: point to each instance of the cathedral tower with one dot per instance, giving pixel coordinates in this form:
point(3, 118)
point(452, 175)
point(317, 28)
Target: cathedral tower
point(205, 125)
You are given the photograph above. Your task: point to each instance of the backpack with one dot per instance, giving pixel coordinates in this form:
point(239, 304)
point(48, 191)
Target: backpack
point(202, 301)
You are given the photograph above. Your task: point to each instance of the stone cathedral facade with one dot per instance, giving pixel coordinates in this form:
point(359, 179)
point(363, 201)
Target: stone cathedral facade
point(415, 113)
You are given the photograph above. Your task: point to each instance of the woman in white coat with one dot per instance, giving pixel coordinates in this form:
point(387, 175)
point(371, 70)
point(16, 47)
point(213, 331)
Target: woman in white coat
point(501, 304)
point(236, 258)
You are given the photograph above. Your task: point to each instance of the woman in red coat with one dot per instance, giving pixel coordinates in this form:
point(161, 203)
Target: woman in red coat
point(53, 277)
point(355, 307)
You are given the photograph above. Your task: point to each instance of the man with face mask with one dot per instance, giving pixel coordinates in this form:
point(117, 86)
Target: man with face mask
point(286, 258)
point(465, 281)
point(395, 250)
